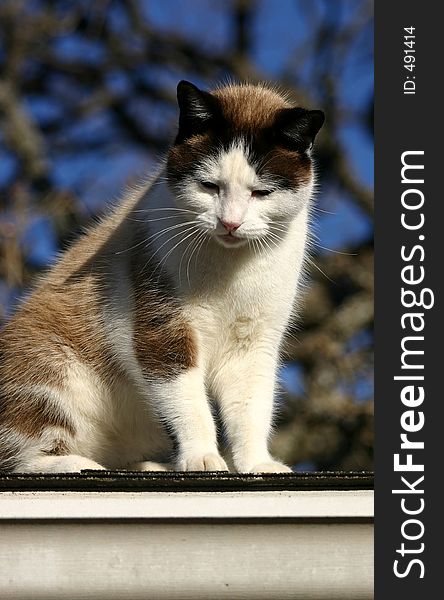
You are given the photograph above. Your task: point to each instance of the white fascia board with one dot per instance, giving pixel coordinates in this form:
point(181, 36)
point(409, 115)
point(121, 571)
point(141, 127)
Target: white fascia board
point(341, 504)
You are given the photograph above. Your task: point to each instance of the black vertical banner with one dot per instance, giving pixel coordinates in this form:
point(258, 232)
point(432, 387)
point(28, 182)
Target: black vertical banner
point(409, 243)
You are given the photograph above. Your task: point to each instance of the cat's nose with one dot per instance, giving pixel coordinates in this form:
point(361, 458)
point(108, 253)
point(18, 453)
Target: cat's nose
point(230, 225)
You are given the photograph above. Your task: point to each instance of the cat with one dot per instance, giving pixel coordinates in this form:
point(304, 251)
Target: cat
point(175, 303)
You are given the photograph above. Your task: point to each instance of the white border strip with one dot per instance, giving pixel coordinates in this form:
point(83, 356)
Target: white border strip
point(186, 505)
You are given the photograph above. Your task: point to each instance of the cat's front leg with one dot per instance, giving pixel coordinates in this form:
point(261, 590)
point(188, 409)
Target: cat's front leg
point(182, 404)
point(245, 390)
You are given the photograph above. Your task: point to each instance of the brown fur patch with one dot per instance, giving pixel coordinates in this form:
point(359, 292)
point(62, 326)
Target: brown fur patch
point(31, 415)
point(164, 342)
point(163, 350)
point(289, 168)
point(56, 323)
point(250, 108)
point(23, 366)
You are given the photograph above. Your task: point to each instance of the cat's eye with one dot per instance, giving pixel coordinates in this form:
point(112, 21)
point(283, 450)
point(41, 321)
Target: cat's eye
point(260, 193)
point(209, 185)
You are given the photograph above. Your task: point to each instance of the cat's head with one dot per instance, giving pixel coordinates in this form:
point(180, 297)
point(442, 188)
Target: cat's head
point(241, 160)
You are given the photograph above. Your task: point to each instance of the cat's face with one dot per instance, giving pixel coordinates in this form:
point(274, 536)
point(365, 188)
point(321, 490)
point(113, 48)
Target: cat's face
point(241, 162)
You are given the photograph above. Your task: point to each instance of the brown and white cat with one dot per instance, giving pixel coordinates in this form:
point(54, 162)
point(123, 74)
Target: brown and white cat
point(176, 300)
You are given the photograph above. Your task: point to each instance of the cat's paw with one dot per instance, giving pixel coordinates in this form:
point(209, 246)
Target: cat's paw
point(204, 462)
point(272, 466)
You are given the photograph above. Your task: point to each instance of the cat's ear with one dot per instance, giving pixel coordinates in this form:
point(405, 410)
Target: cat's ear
point(197, 109)
point(298, 127)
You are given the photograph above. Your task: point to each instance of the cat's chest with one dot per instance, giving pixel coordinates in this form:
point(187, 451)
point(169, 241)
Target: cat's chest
point(226, 296)
point(240, 312)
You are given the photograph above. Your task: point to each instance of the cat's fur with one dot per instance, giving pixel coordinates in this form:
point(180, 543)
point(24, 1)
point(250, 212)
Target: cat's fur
point(158, 312)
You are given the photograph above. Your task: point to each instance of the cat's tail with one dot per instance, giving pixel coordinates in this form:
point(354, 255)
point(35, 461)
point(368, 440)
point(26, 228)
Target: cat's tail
point(47, 453)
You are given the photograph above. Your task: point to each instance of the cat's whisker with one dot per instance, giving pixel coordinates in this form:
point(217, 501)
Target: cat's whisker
point(152, 256)
point(253, 246)
point(321, 210)
point(154, 236)
point(157, 235)
point(336, 251)
point(265, 244)
point(130, 248)
point(260, 245)
point(206, 239)
point(191, 228)
point(319, 269)
point(178, 244)
point(273, 234)
point(190, 245)
point(181, 260)
point(172, 208)
point(147, 221)
point(272, 241)
point(198, 242)
point(190, 232)
point(278, 227)
point(150, 238)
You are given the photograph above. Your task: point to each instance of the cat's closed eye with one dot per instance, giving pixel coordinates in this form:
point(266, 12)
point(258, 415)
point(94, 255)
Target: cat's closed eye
point(209, 185)
point(260, 193)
